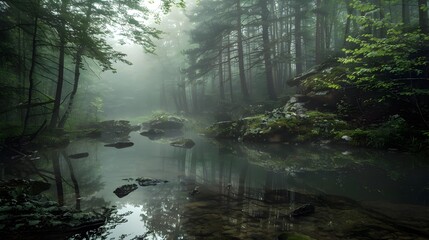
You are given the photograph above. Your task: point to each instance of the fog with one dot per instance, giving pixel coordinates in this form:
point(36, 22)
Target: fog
point(147, 85)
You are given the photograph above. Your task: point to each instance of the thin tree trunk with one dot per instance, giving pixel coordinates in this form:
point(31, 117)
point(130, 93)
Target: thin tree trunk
point(60, 81)
point(231, 92)
point(31, 73)
point(221, 80)
point(298, 44)
point(405, 12)
point(267, 51)
point(319, 35)
point(347, 28)
point(243, 83)
point(423, 15)
point(75, 87)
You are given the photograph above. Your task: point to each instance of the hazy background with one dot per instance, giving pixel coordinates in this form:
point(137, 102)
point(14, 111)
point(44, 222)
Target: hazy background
point(137, 89)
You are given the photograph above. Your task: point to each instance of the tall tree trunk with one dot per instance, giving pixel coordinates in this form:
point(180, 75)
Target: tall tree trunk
point(75, 87)
point(221, 80)
point(405, 12)
point(347, 28)
point(423, 15)
point(60, 80)
point(319, 34)
point(382, 32)
point(267, 51)
point(78, 62)
point(298, 43)
point(243, 83)
point(231, 92)
point(31, 73)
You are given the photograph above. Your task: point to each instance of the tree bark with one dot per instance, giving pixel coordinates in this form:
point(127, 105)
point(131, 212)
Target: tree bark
point(243, 83)
point(31, 74)
point(423, 15)
point(221, 80)
point(231, 92)
point(405, 12)
point(298, 43)
point(267, 51)
point(60, 80)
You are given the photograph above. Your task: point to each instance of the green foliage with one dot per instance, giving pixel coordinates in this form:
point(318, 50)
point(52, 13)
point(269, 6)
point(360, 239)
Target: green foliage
point(9, 130)
point(376, 62)
point(391, 133)
point(330, 78)
point(389, 58)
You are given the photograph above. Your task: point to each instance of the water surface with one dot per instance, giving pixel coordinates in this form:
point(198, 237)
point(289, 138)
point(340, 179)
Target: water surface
point(243, 191)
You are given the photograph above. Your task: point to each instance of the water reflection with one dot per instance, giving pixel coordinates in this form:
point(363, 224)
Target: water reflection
point(243, 191)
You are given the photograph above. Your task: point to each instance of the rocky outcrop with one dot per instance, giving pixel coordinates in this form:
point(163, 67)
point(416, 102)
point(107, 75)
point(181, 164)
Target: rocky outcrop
point(111, 129)
point(163, 127)
point(291, 123)
point(165, 122)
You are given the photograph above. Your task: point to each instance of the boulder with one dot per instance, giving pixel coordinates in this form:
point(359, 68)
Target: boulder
point(303, 210)
point(166, 122)
point(125, 190)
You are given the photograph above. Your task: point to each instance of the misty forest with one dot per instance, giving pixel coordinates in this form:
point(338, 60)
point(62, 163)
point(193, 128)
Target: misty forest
point(214, 119)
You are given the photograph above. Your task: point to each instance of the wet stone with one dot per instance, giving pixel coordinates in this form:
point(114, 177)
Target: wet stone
point(304, 210)
point(149, 181)
point(152, 132)
point(125, 190)
point(120, 145)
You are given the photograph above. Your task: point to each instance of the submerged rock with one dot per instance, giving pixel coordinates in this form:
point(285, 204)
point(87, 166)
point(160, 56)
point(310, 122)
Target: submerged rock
point(152, 132)
point(120, 145)
point(149, 181)
point(125, 190)
point(183, 143)
point(302, 211)
point(79, 155)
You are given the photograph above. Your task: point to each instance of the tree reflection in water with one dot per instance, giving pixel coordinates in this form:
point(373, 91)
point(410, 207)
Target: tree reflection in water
point(244, 191)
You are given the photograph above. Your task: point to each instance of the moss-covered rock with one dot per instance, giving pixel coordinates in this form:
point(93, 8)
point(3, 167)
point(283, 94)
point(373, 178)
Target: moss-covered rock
point(291, 123)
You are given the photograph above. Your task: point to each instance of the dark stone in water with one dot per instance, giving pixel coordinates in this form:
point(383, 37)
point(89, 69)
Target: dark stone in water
point(293, 236)
point(183, 143)
point(79, 155)
point(120, 145)
point(304, 210)
point(125, 190)
point(149, 181)
point(152, 132)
